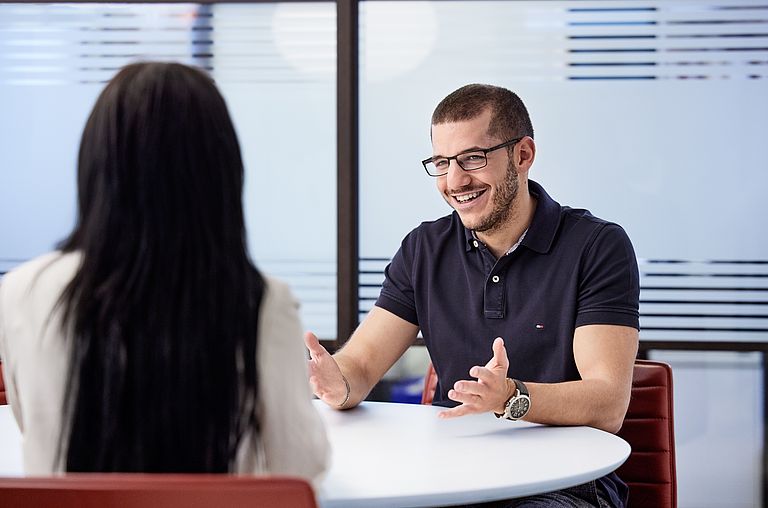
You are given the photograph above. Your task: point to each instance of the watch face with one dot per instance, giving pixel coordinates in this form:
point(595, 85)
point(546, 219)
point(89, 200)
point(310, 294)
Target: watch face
point(519, 407)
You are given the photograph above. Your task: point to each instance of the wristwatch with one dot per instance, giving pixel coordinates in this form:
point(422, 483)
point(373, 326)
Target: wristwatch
point(518, 404)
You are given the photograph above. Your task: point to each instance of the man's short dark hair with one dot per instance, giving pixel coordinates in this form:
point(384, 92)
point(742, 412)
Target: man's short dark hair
point(510, 117)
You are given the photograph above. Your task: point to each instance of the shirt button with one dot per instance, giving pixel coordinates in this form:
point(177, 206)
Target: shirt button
point(475, 244)
point(495, 278)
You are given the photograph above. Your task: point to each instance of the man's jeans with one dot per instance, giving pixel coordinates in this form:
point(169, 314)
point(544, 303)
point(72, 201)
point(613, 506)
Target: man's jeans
point(586, 495)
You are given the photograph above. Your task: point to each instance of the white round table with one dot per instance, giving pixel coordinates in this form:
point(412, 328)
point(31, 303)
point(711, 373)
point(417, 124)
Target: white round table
point(391, 455)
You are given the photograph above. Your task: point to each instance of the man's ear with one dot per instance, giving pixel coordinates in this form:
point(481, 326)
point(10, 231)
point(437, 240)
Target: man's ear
point(525, 154)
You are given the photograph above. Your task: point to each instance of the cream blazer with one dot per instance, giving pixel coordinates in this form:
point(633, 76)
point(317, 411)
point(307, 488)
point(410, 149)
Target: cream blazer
point(35, 355)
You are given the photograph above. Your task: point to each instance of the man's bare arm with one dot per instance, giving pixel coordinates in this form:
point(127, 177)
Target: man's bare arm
point(604, 356)
point(375, 346)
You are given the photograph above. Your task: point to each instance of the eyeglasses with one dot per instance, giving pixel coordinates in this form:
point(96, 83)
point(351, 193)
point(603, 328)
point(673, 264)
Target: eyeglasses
point(468, 161)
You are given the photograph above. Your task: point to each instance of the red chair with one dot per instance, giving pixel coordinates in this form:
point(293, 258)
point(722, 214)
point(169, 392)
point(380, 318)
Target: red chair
point(430, 385)
point(3, 398)
point(156, 491)
point(648, 428)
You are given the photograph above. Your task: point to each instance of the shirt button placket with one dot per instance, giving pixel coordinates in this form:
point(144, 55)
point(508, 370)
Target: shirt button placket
point(494, 293)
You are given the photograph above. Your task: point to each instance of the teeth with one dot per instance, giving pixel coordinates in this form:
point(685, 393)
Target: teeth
point(466, 197)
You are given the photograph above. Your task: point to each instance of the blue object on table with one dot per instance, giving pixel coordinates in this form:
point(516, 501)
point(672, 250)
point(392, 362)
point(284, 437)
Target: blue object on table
point(407, 390)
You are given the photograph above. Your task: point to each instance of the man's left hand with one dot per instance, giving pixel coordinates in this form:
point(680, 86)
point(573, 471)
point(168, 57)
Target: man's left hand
point(491, 390)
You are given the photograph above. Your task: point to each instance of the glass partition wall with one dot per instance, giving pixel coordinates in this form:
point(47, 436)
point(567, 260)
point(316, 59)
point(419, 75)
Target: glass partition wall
point(275, 64)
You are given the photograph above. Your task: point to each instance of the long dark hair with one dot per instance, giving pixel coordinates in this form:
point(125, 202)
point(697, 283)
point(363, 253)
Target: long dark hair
point(163, 310)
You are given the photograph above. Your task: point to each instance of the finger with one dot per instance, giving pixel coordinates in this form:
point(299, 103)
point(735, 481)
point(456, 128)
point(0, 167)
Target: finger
point(493, 362)
point(470, 388)
point(486, 375)
point(500, 353)
point(464, 397)
point(313, 344)
point(455, 412)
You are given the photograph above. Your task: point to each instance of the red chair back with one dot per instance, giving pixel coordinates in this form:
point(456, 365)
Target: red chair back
point(156, 491)
point(3, 398)
point(649, 429)
point(430, 385)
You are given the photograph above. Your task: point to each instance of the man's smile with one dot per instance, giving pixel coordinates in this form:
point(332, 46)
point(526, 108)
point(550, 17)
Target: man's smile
point(466, 197)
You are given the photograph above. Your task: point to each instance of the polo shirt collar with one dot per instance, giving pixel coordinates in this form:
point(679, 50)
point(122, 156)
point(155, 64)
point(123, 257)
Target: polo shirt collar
point(541, 232)
point(546, 220)
point(468, 234)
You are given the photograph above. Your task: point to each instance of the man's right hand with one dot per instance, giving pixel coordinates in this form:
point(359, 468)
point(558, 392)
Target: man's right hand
point(325, 377)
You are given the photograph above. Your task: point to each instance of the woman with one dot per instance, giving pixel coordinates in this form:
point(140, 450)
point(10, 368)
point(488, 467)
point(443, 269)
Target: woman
point(149, 341)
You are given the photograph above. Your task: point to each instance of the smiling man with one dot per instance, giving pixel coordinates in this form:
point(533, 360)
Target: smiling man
point(529, 309)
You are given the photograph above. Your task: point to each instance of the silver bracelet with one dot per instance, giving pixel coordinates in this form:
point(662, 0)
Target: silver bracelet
point(346, 397)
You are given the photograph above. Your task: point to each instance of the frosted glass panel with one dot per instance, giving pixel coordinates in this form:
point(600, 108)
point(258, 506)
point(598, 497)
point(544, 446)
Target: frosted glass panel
point(275, 65)
point(650, 114)
point(717, 445)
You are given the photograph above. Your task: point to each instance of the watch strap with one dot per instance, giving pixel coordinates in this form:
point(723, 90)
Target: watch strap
point(518, 405)
point(521, 387)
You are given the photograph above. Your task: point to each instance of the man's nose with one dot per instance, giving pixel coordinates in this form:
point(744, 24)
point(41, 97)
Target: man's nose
point(456, 177)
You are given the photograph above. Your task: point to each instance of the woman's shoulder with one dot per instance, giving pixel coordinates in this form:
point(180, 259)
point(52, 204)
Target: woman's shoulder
point(277, 292)
point(44, 273)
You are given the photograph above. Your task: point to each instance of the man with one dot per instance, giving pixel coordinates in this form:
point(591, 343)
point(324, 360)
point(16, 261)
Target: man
point(549, 293)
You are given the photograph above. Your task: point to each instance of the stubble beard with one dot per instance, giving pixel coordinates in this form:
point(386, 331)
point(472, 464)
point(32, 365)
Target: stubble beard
point(503, 204)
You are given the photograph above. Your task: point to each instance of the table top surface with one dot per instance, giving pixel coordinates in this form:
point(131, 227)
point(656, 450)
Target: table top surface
point(390, 455)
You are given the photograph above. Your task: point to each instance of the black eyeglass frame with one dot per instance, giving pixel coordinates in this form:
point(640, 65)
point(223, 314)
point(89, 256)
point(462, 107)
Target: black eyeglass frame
point(485, 152)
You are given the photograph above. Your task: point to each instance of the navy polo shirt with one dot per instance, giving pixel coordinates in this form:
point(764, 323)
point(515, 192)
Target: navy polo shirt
point(571, 269)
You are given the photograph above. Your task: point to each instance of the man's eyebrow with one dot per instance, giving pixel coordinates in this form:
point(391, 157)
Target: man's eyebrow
point(466, 150)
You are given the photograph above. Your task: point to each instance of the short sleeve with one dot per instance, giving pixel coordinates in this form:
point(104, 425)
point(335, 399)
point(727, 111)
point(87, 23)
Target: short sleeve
point(609, 288)
point(397, 293)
